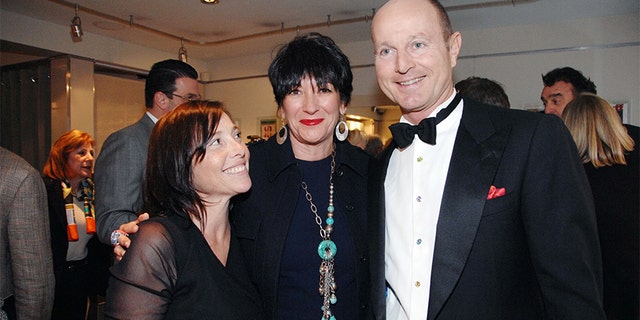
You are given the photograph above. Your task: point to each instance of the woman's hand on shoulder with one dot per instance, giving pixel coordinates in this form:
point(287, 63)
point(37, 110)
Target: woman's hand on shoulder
point(123, 239)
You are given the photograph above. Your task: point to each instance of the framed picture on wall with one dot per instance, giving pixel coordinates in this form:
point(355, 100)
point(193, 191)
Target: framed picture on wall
point(622, 108)
point(268, 127)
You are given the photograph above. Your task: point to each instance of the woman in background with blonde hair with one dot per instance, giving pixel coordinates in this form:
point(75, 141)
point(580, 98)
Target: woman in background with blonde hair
point(606, 147)
point(81, 262)
point(357, 138)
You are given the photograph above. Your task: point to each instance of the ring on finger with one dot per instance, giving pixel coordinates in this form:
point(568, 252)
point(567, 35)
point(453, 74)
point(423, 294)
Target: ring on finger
point(115, 235)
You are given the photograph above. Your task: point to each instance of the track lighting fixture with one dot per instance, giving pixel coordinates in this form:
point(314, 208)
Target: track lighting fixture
point(182, 52)
point(76, 26)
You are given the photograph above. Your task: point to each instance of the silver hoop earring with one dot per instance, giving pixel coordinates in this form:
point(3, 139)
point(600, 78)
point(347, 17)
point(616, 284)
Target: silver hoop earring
point(282, 134)
point(342, 130)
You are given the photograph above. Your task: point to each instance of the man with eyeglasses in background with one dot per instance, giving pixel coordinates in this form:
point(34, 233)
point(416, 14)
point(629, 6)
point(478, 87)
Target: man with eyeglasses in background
point(120, 167)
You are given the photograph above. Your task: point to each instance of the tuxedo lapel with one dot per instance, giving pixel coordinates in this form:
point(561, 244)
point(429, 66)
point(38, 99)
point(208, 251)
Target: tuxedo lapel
point(377, 221)
point(377, 234)
point(474, 162)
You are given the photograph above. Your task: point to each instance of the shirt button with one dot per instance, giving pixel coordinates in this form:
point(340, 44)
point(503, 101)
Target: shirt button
point(417, 284)
point(420, 159)
point(419, 241)
point(419, 198)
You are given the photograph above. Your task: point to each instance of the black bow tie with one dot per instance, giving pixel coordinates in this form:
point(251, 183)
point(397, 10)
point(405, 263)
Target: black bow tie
point(403, 133)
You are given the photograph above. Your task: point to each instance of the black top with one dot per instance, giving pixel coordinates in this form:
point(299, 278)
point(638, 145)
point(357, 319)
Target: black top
point(170, 272)
point(617, 199)
point(272, 226)
point(299, 275)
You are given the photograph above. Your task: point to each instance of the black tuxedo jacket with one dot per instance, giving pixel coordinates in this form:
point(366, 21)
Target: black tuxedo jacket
point(530, 254)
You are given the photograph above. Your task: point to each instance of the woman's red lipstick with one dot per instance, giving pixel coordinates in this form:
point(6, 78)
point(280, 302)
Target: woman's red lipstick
point(311, 122)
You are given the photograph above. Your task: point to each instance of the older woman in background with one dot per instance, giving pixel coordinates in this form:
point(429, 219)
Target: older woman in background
point(185, 262)
point(606, 147)
point(80, 261)
point(303, 224)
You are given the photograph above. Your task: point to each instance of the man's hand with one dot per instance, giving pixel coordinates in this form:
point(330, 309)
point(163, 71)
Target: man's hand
point(123, 239)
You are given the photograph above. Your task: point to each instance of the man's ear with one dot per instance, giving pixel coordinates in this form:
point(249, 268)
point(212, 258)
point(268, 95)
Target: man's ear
point(455, 44)
point(161, 100)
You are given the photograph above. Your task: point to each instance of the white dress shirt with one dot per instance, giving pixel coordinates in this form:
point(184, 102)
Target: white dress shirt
point(414, 185)
point(153, 118)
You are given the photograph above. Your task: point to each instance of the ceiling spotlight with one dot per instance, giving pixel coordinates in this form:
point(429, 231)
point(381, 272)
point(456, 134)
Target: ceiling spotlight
point(76, 25)
point(209, 1)
point(182, 52)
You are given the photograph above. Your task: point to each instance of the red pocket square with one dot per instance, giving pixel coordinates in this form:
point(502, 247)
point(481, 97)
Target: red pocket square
point(495, 192)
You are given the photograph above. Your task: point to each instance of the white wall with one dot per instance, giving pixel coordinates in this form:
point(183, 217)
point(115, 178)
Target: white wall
point(119, 103)
point(515, 56)
point(522, 55)
point(40, 34)
point(518, 55)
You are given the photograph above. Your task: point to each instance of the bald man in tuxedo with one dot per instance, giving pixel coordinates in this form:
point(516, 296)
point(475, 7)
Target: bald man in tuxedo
point(486, 211)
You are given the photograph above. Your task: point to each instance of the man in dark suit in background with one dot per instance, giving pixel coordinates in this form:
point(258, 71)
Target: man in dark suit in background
point(496, 219)
point(119, 170)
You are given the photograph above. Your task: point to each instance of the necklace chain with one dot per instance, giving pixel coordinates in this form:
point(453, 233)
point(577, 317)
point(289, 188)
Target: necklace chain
point(325, 233)
point(327, 248)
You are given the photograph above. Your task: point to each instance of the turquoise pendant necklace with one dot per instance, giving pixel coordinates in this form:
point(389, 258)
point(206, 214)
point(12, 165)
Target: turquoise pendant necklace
point(326, 249)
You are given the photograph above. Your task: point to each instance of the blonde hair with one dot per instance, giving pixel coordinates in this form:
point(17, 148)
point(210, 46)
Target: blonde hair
point(598, 131)
point(357, 138)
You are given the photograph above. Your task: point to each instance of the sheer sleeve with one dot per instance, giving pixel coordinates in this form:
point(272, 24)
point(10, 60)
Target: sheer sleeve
point(142, 284)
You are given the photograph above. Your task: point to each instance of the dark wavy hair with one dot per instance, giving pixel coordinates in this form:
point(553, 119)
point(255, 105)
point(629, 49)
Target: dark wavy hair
point(178, 141)
point(570, 75)
point(313, 55)
point(162, 77)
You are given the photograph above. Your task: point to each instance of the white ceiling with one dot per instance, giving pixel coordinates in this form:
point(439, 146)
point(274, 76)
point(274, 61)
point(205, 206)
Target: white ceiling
point(210, 31)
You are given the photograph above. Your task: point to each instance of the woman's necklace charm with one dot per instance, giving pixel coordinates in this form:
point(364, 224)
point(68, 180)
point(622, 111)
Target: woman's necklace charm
point(327, 289)
point(327, 250)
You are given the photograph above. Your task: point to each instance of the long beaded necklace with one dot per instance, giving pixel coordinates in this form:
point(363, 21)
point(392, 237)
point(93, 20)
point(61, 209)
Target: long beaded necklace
point(326, 249)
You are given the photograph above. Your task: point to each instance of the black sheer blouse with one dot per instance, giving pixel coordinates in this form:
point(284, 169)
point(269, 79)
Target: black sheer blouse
point(169, 272)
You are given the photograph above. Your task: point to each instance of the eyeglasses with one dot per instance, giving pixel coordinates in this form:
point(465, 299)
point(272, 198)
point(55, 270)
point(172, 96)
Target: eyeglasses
point(189, 97)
